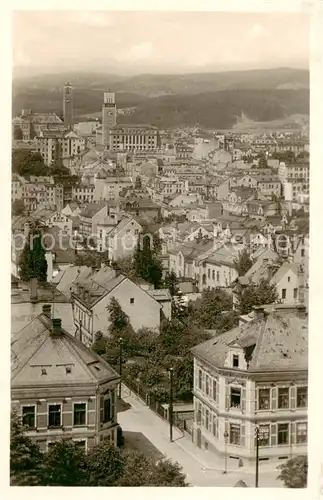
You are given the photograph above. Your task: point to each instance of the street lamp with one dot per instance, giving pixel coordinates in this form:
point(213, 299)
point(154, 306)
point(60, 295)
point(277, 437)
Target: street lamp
point(170, 405)
point(226, 437)
point(257, 455)
point(120, 364)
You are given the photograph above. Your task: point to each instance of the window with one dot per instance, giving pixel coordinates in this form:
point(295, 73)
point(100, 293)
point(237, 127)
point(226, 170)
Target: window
point(200, 379)
point(28, 416)
point(284, 293)
point(263, 435)
point(288, 279)
point(283, 434)
point(107, 414)
point(283, 397)
point(235, 397)
point(218, 276)
point(301, 432)
point(132, 300)
point(234, 434)
point(302, 252)
point(54, 415)
point(263, 399)
point(209, 273)
point(81, 444)
point(207, 386)
point(235, 361)
point(301, 397)
point(214, 390)
point(79, 413)
point(295, 293)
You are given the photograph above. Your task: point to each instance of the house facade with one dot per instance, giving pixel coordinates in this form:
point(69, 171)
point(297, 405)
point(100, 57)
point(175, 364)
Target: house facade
point(243, 378)
point(59, 388)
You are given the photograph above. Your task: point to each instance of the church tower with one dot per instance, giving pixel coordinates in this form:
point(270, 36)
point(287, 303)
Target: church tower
point(109, 116)
point(68, 105)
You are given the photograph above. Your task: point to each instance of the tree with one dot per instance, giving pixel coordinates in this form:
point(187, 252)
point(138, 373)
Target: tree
point(99, 345)
point(126, 267)
point(26, 163)
point(119, 320)
point(86, 259)
point(212, 303)
point(171, 283)
point(25, 457)
point(18, 207)
point(147, 263)
point(293, 473)
point(136, 470)
point(65, 465)
point(167, 473)
point(243, 262)
point(263, 162)
point(32, 262)
point(255, 295)
point(105, 465)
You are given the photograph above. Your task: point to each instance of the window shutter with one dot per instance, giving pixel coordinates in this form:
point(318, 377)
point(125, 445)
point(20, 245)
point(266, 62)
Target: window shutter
point(243, 399)
point(113, 401)
point(292, 433)
point(217, 393)
point(196, 377)
point(274, 398)
point(292, 395)
point(243, 434)
point(101, 409)
point(226, 426)
point(273, 434)
point(203, 416)
point(227, 397)
point(256, 399)
point(217, 428)
point(203, 381)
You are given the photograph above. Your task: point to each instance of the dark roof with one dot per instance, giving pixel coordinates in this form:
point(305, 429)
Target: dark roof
point(280, 339)
point(91, 209)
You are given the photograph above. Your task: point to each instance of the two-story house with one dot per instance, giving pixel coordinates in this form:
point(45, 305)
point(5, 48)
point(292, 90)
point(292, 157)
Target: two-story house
point(254, 375)
point(92, 296)
point(59, 388)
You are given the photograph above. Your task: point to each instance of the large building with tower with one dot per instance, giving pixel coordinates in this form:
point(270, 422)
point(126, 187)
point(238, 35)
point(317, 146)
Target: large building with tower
point(68, 106)
point(109, 117)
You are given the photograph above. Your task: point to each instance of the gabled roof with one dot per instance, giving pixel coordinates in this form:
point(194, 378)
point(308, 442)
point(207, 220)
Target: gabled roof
point(35, 347)
point(280, 339)
point(92, 208)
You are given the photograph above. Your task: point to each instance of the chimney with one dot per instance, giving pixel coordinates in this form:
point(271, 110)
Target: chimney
point(56, 326)
point(47, 310)
point(33, 290)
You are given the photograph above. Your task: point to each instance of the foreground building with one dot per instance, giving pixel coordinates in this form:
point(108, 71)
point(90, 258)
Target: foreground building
point(254, 374)
point(60, 388)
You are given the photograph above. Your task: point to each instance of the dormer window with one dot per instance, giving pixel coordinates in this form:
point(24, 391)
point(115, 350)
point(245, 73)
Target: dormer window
point(235, 361)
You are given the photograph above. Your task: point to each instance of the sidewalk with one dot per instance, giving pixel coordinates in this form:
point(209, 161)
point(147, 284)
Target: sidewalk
point(201, 467)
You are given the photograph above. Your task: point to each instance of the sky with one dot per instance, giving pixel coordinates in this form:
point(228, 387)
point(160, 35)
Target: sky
point(157, 42)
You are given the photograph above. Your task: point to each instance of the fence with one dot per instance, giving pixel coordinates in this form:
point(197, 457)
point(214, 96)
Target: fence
point(156, 406)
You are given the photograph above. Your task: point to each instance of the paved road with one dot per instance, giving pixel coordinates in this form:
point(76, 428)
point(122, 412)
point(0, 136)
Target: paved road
point(202, 468)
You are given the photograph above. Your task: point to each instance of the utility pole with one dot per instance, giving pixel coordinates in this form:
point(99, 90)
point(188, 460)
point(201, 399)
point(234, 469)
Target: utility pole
point(257, 455)
point(120, 364)
point(170, 406)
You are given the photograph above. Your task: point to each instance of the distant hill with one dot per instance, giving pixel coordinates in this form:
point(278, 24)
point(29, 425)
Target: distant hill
point(220, 109)
point(213, 100)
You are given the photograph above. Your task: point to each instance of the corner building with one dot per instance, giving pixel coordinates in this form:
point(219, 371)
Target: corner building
point(255, 374)
point(60, 388)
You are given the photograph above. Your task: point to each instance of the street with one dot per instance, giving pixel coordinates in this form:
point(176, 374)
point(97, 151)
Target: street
point(202, 468)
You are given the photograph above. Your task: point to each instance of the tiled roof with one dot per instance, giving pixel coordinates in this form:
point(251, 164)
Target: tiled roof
point(34, 346)
point(280, 339)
